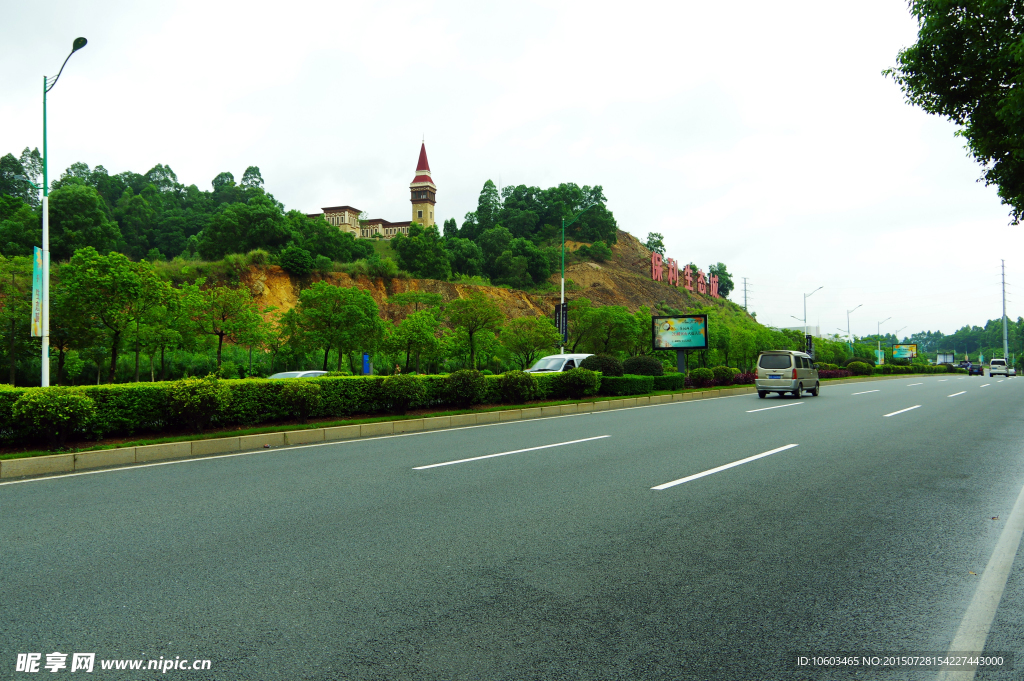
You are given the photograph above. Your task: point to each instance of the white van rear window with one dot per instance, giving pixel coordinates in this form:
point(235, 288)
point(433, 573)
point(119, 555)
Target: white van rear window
point(774, 361)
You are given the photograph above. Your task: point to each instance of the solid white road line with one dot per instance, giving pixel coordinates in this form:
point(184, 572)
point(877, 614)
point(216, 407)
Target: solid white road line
point(975, 625)
point(901, 411)
point(914, 384)
point(727, 466)
point(514, 451)
point(866, 392)
point(781, 406)
point(955, 394)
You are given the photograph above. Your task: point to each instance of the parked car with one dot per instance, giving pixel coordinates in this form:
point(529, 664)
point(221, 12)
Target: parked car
point(997, 367)
point(557, 363)
point(299, 374)
point(786, 371)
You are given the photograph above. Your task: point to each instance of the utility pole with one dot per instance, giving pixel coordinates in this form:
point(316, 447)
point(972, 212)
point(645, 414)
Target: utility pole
point(744, 294)
point(1006, 349)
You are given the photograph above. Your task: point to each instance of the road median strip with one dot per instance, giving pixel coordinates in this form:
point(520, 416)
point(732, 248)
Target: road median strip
point(52, 464)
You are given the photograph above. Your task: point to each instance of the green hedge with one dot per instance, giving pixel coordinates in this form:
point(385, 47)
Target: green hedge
point(673, 381)
point(912, 369)
point(132, 408)
point(627, 385)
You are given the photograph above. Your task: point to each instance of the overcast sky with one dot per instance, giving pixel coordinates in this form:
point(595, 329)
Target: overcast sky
point(758, 134)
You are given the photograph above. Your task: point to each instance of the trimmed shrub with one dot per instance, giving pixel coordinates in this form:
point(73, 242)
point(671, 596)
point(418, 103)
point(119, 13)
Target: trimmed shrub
point(301, 397)
point(54, 412)
point(859, 359)
point(606, 364)
point(297, 261)
point(464, 387)
point(671, 381)
point(836, 373)
point(744, 379)
point(575, 383)
point(403, 391)
point(516, 387)
point(723, 375)
point(628, 384)
point(644, 365)
point(702, 377)
point(196, 401)
point(859, 368)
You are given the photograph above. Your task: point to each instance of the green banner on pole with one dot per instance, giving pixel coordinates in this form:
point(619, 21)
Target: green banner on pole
point(37, 292)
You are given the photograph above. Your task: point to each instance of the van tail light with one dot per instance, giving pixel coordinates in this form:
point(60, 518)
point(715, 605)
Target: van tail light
point(794, 373)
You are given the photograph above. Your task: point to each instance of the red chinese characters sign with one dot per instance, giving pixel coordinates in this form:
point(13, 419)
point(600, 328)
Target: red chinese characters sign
point(705, 284)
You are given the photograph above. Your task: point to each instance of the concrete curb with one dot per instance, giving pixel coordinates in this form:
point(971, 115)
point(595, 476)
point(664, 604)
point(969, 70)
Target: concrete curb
point(102, 458)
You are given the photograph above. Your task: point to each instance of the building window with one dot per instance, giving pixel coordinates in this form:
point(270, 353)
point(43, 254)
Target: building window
point(419, 214)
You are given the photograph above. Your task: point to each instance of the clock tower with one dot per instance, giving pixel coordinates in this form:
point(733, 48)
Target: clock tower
point(423, 191)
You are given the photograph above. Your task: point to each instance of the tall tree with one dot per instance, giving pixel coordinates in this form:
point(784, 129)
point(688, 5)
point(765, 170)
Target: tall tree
point(337, 318)
point(967, 66)
point(527, 338)
point(473, 314)
point(15, 309)
point(113, 291)
point(78, 219)
point(221, 311)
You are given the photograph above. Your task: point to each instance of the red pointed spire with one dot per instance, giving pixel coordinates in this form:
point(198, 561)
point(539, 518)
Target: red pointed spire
point(422, 164)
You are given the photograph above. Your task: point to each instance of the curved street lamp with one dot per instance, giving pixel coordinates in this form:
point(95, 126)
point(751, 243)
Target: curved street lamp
point(48, 84)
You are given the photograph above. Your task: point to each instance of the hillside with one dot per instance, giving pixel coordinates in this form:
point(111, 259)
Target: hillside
point(624, 280)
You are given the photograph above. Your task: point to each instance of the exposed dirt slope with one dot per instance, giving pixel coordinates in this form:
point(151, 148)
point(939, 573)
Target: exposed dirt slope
point(624, 280)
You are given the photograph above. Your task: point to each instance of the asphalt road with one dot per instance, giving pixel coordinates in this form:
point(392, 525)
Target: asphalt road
point(356, 560)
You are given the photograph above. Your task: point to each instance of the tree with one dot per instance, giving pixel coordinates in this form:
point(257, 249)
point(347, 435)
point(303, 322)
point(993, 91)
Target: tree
point(21, 228)
point(70, 327)
point(655, 242)
point(252, 178)
point(725, 282)
point(584, 324)
point(422, 253)
point(221, 311)
point(473, 314)
point(297, 261)
point(416, 298)
point(966, 67)
point(113, 292)
point(242, 227)
point(526, 339)
point(614, 328)
point(339, 318)
point(78, 220)
point(15, 308)
point(414, 336)
point(465, 257)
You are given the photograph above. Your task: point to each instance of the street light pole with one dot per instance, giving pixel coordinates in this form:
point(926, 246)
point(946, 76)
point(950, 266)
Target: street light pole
point(849, 337)
point(48, 84)
point(561, 349)
point(878, 335)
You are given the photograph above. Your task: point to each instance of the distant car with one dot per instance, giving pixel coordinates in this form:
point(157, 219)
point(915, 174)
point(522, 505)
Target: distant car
point(786, 371)
point(997, 367)
point(973, 369)
point(299, 374)
point(553, 363)
point(1013, 372)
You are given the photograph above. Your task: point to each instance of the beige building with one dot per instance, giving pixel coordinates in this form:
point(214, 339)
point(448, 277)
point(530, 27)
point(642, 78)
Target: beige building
point(423, 197)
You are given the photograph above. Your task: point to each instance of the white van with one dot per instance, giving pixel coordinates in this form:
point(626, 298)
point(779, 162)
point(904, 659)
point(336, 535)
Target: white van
point(557, 363)
point(786, 371)
point(997, 367)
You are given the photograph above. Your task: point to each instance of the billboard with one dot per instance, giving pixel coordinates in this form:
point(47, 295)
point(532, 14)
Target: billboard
point(37, 291)
point(680, 333)
point(904, 351)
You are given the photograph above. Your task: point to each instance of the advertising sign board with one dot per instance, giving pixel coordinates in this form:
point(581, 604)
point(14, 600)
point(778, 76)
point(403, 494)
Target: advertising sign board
point(562, 321)
point(904, 351)
point(680, 333)
point(945, 358)
point(37, 291)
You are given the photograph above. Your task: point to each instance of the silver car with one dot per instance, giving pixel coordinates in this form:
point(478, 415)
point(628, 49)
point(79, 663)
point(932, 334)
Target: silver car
point(786, 371)
point(299, 374)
